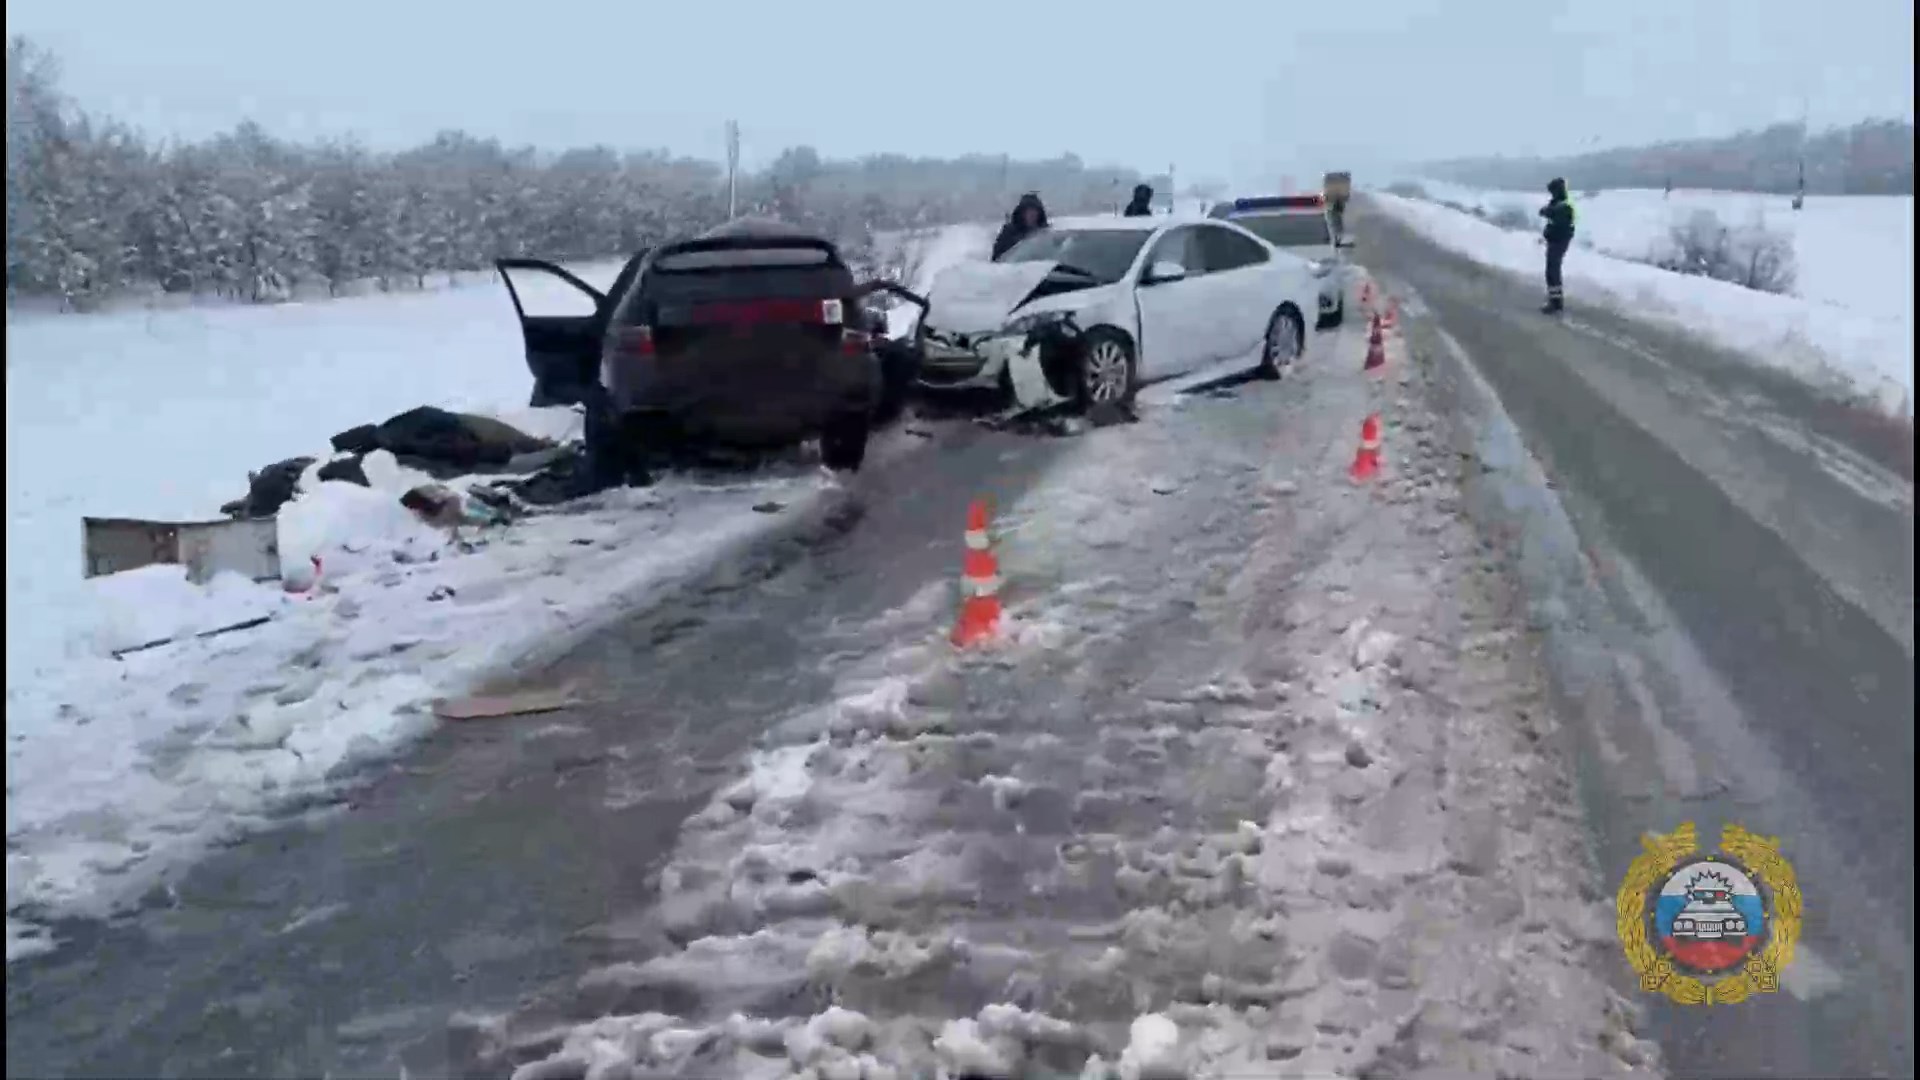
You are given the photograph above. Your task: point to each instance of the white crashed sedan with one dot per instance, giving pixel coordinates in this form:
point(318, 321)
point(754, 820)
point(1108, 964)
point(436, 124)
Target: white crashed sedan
point(1091, 308)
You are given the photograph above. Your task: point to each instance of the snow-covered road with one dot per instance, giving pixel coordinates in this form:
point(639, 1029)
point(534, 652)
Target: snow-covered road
point(1263, 765)
point(1261, 778)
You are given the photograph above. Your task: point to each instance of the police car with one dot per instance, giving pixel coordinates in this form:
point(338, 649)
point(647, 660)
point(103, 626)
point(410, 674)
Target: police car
point(1300, 225)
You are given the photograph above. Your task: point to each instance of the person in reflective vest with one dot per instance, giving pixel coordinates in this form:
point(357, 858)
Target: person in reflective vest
point(1559, 237)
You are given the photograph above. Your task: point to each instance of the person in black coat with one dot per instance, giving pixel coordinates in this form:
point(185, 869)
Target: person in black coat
point(1559, 237)
point(1142, 204)
point(1029, 216)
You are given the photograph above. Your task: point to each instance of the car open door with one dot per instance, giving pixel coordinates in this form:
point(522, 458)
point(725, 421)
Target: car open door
point(563, 351)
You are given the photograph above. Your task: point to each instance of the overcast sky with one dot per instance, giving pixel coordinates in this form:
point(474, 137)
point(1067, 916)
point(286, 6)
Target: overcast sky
point(1247, 91)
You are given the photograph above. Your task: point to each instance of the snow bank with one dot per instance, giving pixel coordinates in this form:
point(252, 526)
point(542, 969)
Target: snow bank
point(1849, 329)
point(161, 414)
point(117, 769)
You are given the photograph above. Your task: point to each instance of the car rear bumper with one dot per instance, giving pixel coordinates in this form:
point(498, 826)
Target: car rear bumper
point(747, 396)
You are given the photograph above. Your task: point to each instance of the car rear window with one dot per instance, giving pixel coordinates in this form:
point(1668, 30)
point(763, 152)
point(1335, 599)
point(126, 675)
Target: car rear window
point(1106, 254)
point(743, 258)
point(1288, 230)
point(664, 292)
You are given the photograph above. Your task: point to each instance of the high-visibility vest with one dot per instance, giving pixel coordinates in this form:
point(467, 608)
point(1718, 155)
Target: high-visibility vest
point(1572, 215)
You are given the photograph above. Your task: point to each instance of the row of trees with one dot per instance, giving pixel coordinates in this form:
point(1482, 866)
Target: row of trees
point(1874, 157)
point(94, 210)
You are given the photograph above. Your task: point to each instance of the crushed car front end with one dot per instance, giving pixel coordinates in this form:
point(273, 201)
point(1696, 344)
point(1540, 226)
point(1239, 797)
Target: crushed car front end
point(1015, 325)
point(955, 360)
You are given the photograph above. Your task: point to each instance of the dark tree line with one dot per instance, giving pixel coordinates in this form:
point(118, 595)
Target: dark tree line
point(95, 210)
point(1874, 157)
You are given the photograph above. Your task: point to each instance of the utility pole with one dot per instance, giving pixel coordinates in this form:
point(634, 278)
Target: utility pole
point(733, 169)
point(1173, 191)
point(1800, 192)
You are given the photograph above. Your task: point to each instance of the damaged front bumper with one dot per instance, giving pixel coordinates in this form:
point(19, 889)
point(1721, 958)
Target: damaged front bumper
point(1012, 358)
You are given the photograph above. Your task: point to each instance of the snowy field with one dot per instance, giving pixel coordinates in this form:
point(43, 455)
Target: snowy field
point(117, 767)
point(1849, 324)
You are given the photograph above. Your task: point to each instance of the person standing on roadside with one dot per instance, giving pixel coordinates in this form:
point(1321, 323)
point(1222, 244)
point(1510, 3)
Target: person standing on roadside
point(1142, 204)
point(1029, 216)
point(1559, 237)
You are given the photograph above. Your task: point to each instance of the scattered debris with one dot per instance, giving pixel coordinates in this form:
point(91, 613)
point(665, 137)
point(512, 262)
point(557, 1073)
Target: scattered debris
point(488, 706)
point(246, 546)
point(346, 469)
point(269, 489)
point(442, 444)
point(444, 508)
point(244, 624)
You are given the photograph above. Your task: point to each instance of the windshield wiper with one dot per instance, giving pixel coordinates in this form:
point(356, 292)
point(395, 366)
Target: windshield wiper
point(1072, 269)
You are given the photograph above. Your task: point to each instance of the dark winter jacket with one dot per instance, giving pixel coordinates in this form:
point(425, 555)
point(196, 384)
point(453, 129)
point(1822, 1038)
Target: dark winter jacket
point(1559, 214)
point(1016, 230)
point(1142, 204)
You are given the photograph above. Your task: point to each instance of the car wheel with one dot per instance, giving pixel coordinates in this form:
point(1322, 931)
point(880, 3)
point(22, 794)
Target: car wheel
point(613, 454)
point(1285, 340)
point(843, 443)
point(1108, 374)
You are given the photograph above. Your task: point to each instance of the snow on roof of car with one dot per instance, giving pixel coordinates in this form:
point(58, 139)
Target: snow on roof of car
point(1114, 221)
point(756, 226)
point(749, 229)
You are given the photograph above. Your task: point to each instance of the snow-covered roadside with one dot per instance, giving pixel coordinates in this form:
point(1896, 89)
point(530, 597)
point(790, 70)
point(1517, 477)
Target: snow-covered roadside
point(118, 770)
point(161, 414)
point(1855, 352)
point(1261, 782)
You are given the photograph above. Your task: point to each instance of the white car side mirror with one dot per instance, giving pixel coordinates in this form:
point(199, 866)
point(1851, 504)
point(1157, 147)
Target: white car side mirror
point(1162, 272)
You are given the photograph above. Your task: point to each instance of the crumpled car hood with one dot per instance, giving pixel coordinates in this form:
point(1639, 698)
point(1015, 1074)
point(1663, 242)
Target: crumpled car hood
point(973, 298)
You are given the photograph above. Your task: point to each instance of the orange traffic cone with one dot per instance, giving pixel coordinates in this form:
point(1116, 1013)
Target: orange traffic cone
point(1376, 348)
point(1366, 460)
point(980, 580)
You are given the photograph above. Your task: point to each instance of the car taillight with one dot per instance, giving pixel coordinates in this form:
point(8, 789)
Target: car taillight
point(855, 342)
point(634, 341)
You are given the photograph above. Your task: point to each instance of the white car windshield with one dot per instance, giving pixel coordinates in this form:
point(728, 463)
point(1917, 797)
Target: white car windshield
point(1100, 254)
point(1288, 230)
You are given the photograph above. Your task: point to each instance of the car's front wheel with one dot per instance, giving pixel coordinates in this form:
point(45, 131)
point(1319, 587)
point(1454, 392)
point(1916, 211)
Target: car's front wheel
point(1286, 339)
point(1107, 374)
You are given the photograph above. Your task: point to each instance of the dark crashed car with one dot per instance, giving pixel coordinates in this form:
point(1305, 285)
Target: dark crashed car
point(753, 335)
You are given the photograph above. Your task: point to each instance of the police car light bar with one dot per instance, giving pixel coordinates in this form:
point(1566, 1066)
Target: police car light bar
point(1281, 202)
